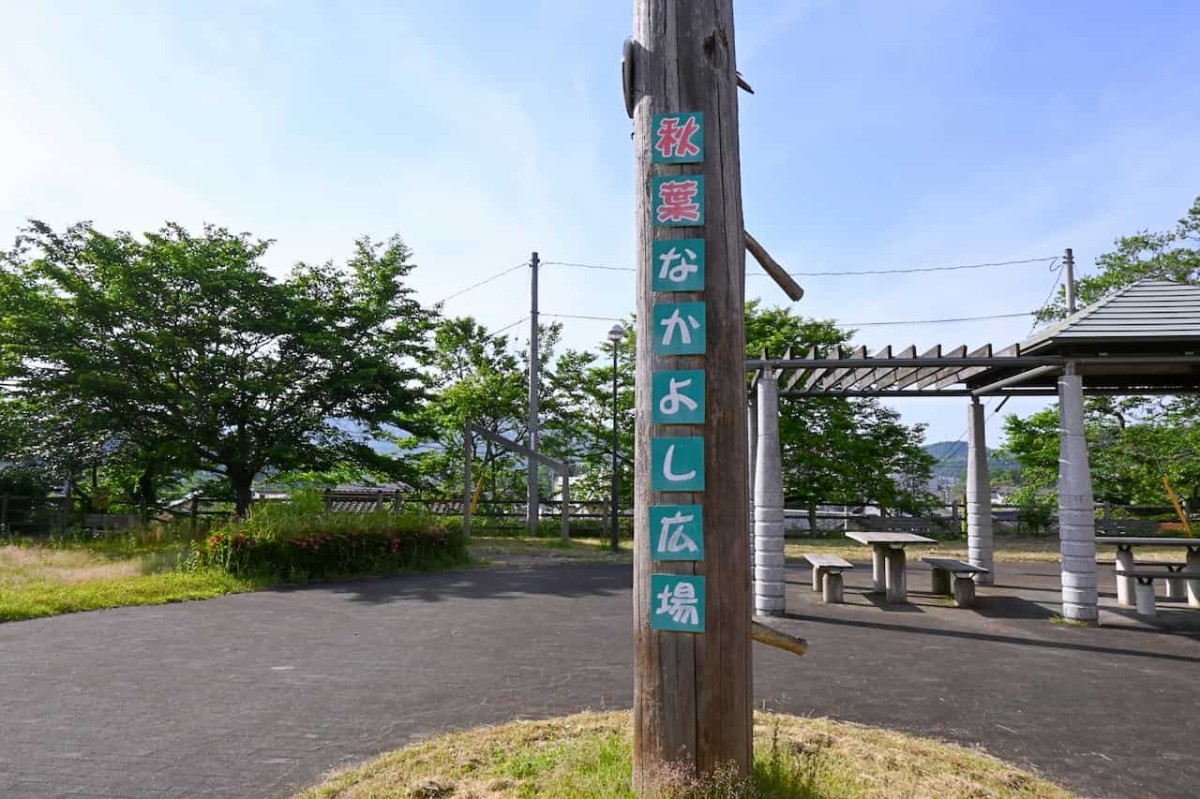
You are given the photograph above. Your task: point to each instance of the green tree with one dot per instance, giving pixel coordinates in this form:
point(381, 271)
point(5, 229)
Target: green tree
point(186, 350)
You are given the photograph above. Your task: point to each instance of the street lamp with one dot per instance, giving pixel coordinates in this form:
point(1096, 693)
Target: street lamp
point(616, 336)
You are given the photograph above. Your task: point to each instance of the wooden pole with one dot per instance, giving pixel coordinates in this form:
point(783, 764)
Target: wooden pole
point(692, 701)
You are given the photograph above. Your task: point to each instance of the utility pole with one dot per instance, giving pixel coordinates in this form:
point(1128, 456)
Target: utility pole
point(692, 675)
point(532, 515)
point(1069, 277)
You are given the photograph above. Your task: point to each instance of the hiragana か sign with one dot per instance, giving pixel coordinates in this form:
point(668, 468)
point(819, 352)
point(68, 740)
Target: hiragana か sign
point(677, 464)
point(678, 396)
point(678, 138)
point(679, 328)
point(677, 603)
point(677, 200)
point(678, 265)
point(677, 532)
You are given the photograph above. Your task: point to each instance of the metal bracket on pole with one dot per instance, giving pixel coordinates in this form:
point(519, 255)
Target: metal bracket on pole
point(559, 466)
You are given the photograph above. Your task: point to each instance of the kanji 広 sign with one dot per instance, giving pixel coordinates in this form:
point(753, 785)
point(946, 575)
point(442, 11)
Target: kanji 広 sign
point(677, 532)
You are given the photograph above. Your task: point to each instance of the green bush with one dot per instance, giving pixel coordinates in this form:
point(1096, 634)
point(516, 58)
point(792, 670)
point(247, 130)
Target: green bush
point(300, 540)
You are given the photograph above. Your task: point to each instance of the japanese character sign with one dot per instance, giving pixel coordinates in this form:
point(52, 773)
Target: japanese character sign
point(679, 328)
point(677, 464)
point(678, 397)
point(678, 265)
point(677, 603)
point(677, 200)
point(677, 532)
point(678, 138)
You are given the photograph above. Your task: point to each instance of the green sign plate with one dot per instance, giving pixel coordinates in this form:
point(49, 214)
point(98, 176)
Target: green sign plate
point(678, 397)
point(677, 200)
point(678, 138)
point(680, 328)
point(677, 265)
point(677, 464)
point(677, 532)
point(677, 603)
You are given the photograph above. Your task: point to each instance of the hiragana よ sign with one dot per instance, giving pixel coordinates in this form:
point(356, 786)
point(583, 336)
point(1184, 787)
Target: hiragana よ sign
point(677, 464)
point(677, 532)
point(677, 603)
point(678, 265)
point(679, 328)
point(678, 138)
point(677, 200)
point(678, 397)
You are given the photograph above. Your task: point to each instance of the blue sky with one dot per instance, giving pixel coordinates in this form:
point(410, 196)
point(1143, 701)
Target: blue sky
point(882, 135)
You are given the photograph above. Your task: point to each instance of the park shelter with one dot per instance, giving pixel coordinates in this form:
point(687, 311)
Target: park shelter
point(1144, 339)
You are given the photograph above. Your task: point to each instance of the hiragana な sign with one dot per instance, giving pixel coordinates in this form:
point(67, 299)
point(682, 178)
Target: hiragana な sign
point(677, 532)
point(677, 200)
point(678, 396)
point(678, 138)
point(678, 265)
point(677, 464)
point(679, 328)
point(677, 603)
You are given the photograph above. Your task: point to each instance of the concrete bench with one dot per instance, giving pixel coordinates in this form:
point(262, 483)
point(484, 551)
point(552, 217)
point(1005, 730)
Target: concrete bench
point(1143, 592)
point(827, 575)
point(963, 589)
point(1175, 587)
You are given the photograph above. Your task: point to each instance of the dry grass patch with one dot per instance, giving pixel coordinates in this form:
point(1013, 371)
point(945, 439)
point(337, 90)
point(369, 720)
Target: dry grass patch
point(587, 756)
point(525, 551)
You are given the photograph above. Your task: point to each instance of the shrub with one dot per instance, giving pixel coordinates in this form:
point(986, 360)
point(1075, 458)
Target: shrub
point(300, 540)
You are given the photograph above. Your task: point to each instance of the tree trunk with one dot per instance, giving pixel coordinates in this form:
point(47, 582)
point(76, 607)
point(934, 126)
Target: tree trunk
point(812, 519)
point(242, 483)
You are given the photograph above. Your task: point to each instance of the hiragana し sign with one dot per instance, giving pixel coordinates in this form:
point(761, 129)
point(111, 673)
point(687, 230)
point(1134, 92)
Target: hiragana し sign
point(677, 532)
point(678, 396)
point(678, 603)
point(678, 138)
point(679, 328)
point(678, 265)
point(677, 200)
point(677, 464)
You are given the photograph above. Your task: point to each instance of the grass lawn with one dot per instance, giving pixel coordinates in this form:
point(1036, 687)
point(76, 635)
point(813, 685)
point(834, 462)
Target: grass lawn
point(587, 756)
point(45, 581)
point(1007, 549)
point(521, 551)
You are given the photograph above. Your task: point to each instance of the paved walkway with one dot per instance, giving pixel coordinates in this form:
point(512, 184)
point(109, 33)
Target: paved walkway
point(257, 695)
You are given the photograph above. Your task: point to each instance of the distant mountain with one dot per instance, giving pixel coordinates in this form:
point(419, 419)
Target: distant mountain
point(951, 459)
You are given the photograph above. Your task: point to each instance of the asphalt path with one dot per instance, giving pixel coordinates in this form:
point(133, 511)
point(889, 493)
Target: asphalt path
point(257, 695)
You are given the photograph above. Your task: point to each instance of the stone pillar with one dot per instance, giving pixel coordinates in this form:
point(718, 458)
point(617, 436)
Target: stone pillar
point(1076, 514)
point(979, 496)
point(752, 433)
point(768, 503)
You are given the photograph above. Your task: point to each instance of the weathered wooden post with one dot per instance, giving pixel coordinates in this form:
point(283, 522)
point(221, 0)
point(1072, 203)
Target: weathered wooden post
point(692, 677)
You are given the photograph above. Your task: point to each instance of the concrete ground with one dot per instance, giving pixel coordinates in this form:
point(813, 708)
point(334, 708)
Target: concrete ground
point(257, 695)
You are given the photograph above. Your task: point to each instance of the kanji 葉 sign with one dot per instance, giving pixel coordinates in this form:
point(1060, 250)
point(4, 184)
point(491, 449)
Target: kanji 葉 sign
point(677, 603)
point(677, 464)
point(679, 328)
point(677, 200)
point(678, 396)
point(678, 138)
point(677, 532)
point(677, 265)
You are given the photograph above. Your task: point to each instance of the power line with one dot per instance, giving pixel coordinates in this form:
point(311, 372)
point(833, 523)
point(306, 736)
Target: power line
point(934, 321)
point(485, 281)
point(956, 267)
point(509, 326)
point(580, 316)
point(1058, 273)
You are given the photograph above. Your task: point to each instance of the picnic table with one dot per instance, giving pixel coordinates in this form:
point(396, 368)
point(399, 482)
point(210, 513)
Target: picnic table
point(1126, 544)
point(889, 561)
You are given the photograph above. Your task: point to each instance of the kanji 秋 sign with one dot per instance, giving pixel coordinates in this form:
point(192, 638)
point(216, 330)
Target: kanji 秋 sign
point(678, 265)
point(677, 603)
point(679, 328)
point(678, 138)
point(677, 464)
point(677, 200)
point(678, 396)
point(677, 532)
